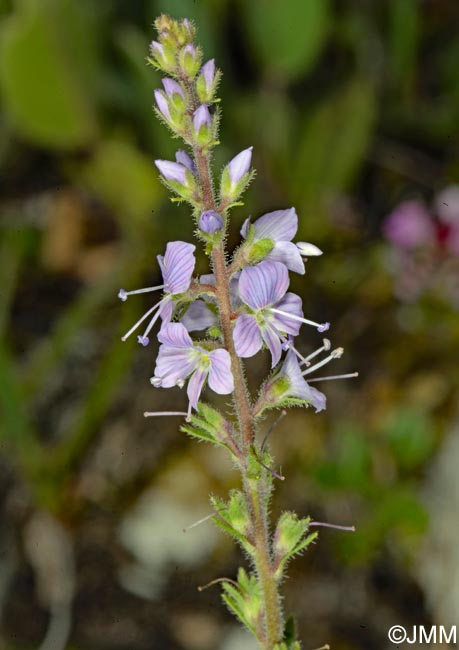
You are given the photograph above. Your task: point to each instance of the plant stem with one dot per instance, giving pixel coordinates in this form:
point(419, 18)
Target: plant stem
point(255, 492)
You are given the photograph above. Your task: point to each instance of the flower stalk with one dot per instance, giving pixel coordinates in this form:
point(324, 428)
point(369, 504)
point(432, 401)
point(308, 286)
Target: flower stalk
point(243, 306)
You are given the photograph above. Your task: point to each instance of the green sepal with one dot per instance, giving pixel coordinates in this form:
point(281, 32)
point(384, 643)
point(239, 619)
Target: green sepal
point(245, 600)
point(258, 251)
point(209, 425)
point(234, 518)
point(290, 539)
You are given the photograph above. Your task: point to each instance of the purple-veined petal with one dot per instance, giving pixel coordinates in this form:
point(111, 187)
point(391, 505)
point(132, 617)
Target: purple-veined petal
point(240, 165)
point(318, 400)
point(208, 72)
point(201, 117)
point(166, 311)
point(177, 266)
point(220, 376)
point(280, 225)
point(246, 336)
point(287, 253)
point(195, 385)
point(263, 285)
point(175, 335)
point(198, 316)
point(162, 104)
point(291, 303)
point(184, 159)
point(171, 86)
point(172, 171)
point(274, 345)
point(174, 365)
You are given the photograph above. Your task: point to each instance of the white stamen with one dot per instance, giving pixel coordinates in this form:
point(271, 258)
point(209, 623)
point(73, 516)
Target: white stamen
point(123, 295)
point(154, 319)
point(350, 375)
point(140, 321)
point(334, 355)
point(325, 347)
point(156, 381)
point(321, 327)
point(155, 414)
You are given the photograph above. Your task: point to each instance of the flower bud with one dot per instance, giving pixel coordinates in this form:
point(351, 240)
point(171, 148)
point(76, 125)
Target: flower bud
point(289, 531)
point(163, 56)
point(207, 82)
point(178, 178)
point(190, 60)
point(210, 222)
point(184, 159)
point(236, 175)
point(162, 104)
point(202, 124)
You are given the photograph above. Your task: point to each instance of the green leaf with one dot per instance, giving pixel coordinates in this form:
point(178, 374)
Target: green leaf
point(411, 437)
point(287, 35)
point(333, 144)
point(403, 43)
point(43, 94)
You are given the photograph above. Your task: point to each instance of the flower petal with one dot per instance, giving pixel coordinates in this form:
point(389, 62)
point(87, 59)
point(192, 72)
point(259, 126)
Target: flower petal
point(195, 386)
point(263, 285)
point(291, 304)
point(280, 225)
point(220, 376)
point(287, 253)
point(175, 335)
point(177, 266)
point(246, 335)
point(272, 341)
point(174, 364)
point(198, 316)
point(318, 399)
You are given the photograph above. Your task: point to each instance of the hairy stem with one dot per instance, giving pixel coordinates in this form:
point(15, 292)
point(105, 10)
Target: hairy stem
point(254, 490)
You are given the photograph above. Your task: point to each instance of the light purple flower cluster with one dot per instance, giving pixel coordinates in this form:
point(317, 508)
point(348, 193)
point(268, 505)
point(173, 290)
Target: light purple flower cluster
point(265, 313)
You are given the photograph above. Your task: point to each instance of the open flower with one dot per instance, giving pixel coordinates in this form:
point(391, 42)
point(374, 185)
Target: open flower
point(180, 359)
point(278, 229)
point(177, 267)
point(272, 312)
point(287, 384)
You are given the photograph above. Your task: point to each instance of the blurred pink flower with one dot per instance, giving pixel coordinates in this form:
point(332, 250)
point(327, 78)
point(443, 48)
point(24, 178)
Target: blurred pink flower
point(409, 225)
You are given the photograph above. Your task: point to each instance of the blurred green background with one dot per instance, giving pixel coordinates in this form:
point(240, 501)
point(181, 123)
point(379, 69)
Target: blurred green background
point(352, 107)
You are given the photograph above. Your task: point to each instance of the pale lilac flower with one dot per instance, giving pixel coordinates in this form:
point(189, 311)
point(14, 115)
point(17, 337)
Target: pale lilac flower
point(201, 117)
point(210, 222)
point(162, 104)
point(180, 359)
point(172, 87)
point(239, 166)
point(208, 73)
point(409, 225)
point(186, 160)
point(177, 267)
point(172, 171)
point(279, 227)
point(297, 386)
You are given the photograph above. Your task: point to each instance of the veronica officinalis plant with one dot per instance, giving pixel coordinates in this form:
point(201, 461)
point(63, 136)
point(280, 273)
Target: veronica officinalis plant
point(243, 306)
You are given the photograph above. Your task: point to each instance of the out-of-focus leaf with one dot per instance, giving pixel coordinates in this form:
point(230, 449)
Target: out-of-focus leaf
point(124, 178)
point(43, 95)
point(411, 437)
point(351, 470)
point(333, 143)
point(404, 38)
point(287, 35)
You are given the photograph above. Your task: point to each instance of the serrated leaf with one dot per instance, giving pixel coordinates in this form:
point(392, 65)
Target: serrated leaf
point(287, 35)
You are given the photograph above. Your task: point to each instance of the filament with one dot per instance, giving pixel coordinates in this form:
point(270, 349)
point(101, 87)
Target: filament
point(140, 321)
point(334, 355)
point(123, 295)
point(155, 414)
point(350, 375)
point(321, 327)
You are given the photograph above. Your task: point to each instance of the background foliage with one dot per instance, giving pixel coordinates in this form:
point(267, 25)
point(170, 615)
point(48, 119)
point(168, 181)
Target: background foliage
point(352, 108)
